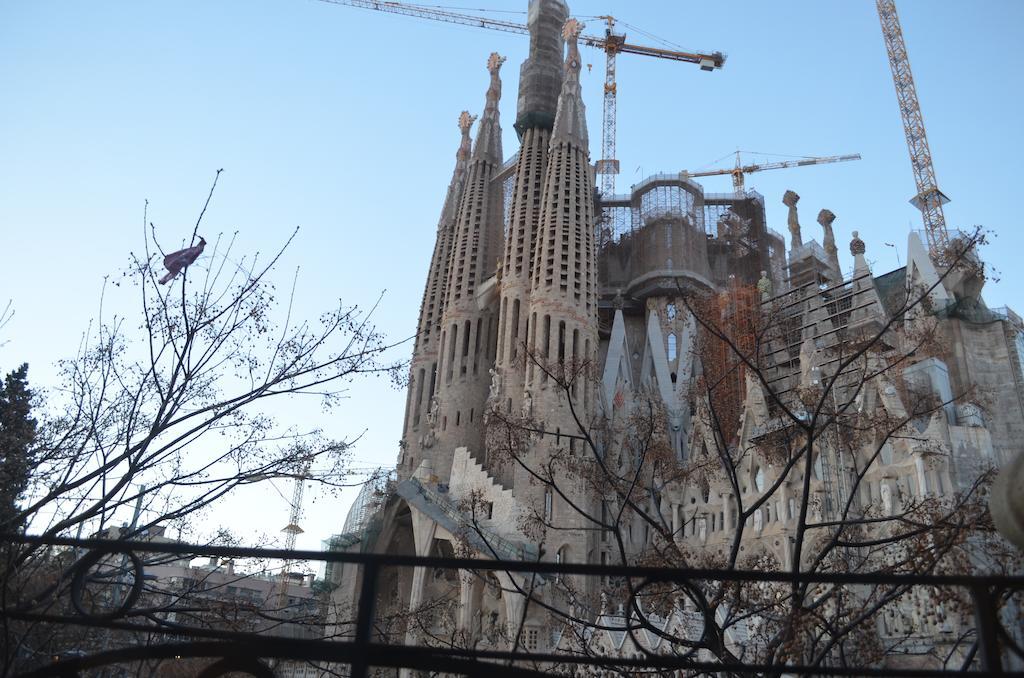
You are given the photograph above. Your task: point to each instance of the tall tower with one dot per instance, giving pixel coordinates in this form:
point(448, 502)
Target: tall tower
point(563, 301)
point(468, 332)
point(562, 304)
point(539, 84)
point(416, 439)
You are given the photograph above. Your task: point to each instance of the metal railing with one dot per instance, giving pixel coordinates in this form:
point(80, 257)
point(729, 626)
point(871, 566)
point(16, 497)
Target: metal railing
point(359, 650)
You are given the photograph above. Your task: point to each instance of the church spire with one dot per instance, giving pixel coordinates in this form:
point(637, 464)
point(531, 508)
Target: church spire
point(488, 139)
point(571, 119)
point(423, 367)
point(563, 301)
point(468, 334)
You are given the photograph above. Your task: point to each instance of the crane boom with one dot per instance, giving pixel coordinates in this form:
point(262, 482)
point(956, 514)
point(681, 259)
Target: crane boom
point(739, 170)
point(929, 198)
point(612, 43)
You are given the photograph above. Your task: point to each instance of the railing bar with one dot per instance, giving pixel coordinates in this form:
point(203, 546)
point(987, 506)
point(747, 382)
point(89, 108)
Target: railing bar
point(987, 621)
point(655, 573)
point(364, 618)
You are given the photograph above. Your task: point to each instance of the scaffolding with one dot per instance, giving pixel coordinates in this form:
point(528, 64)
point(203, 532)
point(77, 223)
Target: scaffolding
point(734, 317)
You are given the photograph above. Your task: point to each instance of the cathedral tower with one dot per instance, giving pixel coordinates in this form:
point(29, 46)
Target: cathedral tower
point(562, 309)
point(423, 367)
point(468, 332)
point(539, 85)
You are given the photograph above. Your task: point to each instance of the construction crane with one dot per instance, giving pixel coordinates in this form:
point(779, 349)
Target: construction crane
point(929, 198)
point(292, 530)
point(612, 43)
point(740, 169)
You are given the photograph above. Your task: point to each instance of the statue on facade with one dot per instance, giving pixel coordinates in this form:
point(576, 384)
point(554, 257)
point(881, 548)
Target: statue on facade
point(764, 286)
point(495, 390)
point(429, 438)
point(527, 404)
point(886, 492)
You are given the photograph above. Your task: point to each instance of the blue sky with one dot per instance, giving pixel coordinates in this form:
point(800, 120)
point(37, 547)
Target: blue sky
point(343, 121)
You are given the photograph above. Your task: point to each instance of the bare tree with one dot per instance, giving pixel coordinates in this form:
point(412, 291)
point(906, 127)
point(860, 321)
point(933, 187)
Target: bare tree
point(163, 414)
point(812, 449)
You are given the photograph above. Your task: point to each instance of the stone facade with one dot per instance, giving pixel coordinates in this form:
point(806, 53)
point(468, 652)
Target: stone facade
point(601, 287)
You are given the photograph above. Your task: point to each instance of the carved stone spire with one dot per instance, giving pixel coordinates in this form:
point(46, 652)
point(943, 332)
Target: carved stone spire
point(451, 203)
point(790, 199)
point(867, 317)
point(488, 139)
point(418, 433)
point(462, 377)
point(825, 218)
point(465, 125)
point(571, 118)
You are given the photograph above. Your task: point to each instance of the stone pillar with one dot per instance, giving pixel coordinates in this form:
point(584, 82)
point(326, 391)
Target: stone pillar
point(1007, 501)
point(470, 586)
point(515, 603)
point(423, 531)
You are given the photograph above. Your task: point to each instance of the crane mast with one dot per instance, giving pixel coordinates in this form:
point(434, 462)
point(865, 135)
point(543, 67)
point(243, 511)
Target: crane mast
point(929, 198)
point(608, 165)
point(612, 43)
point(292, 531)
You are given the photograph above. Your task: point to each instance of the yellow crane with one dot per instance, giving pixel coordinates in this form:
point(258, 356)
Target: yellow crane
point(740, 169)
point(929, 198)
point(612, 43)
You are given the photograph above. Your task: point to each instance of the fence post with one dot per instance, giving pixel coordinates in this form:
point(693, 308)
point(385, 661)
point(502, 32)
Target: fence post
point(987, 621)
point(364, 618)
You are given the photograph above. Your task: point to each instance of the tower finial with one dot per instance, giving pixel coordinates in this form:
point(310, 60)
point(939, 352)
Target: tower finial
point(466, 121)
point(494, 63)
point(488, 139)
point(825, 218)
point(790, 199)
point(571, 31)
point(857, 245)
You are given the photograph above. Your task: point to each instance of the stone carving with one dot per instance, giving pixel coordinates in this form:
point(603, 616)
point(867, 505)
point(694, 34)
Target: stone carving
point(857, 245)
point(825, 218)
point(886, 492)
point(494, 63)
point(764, 286)
point(572, 29)
point(495, 390)
point(465, 124)
point(430, 437)
point(527, 405)
point(758, 521)
point(790, 199)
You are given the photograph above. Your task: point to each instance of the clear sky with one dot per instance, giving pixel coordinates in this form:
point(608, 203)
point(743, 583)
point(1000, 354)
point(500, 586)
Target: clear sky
point(343, 121)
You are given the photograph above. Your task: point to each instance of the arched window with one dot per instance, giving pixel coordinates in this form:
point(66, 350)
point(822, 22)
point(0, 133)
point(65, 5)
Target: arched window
point(759, 479)
point(671, 347)
point(670, 311)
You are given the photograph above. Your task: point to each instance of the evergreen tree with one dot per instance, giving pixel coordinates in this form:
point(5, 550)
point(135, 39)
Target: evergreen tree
point(17, 433)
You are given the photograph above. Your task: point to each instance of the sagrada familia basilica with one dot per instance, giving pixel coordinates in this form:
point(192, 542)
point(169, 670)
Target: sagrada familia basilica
point(558, 327)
